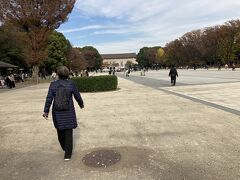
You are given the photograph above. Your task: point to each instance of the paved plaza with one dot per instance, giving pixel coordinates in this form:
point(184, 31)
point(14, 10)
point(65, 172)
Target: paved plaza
point(188, 77)
point(214, 88)
point(190, 131)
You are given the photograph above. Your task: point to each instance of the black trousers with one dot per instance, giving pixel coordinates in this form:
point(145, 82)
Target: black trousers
point(173, 80)
point(65, 138)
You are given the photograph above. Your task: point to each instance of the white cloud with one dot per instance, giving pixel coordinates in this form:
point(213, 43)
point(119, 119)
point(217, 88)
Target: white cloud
point(136, 10)
point(133, 10)
point(155, 21)
point(82, 28)
point(118, 47)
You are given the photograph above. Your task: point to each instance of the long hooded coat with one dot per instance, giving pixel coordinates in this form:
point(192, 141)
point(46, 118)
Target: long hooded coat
point(63, 119)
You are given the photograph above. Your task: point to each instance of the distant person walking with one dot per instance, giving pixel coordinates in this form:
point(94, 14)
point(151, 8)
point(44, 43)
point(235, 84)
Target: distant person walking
point(8, 82)
point(173, 74)
point(12, 79)
point(63, 112)
point(87, 73)
point(226, 66)
point(219, 67)
point(110, 71)
point(144, 70)
point(22, 76)
point(54, 76)
point(194, 67)
point(128, 72)
point(2, 82)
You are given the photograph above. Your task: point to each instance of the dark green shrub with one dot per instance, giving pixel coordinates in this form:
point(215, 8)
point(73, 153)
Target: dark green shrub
point(96, 83)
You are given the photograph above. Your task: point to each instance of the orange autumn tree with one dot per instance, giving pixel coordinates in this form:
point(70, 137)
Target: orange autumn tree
point(36, 19)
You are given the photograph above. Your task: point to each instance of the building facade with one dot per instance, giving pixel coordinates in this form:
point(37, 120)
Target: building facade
point(118, 60)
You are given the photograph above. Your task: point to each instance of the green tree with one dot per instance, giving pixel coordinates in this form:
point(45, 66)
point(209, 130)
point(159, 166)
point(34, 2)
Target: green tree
point(236, 48)
point(58, 48)
point(129, 64)
point(229, 35)
point(148, 56)
point(143, 57)
point(11, 50)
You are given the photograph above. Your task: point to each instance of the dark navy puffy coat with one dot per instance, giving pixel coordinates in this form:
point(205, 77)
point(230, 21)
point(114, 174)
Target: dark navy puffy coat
point(63, 119)
point(173, 72)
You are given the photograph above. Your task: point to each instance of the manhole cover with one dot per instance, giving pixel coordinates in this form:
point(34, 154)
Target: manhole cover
point(101, 158)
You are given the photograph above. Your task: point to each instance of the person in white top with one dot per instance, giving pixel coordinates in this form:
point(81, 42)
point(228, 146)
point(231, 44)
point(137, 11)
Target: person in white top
point(54, 76)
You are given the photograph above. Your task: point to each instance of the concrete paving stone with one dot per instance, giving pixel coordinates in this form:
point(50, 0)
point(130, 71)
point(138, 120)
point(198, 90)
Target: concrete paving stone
point(159, 135)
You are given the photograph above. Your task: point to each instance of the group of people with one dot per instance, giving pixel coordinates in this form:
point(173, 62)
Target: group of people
point(83, 73)
point(226, 66)
point(8, 81)
point(112, 71)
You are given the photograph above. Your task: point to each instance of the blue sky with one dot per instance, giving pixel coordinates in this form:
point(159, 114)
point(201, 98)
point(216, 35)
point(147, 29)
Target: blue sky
point(114, 26)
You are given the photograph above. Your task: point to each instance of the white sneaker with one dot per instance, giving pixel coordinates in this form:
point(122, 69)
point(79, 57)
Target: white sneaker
point(67, 159)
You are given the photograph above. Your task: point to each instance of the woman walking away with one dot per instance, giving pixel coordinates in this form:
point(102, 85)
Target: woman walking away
point(64, 117)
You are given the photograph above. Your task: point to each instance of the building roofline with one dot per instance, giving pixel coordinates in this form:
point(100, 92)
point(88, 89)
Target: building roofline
point(119, 56)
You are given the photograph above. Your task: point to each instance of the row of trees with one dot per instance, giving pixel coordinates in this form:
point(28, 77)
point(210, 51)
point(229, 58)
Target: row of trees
point(35, 20)
point(212, 46)
point(28, 39)
point(59, 52)
point(27, 36)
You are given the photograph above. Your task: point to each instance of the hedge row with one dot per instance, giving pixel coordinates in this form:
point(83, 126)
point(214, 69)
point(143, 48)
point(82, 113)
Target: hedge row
point(96, 83)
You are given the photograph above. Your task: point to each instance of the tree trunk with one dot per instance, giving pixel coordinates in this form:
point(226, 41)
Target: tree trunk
point(35, 71)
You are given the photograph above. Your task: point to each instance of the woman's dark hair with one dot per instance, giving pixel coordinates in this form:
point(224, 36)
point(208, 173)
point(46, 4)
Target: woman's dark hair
point(62, 72)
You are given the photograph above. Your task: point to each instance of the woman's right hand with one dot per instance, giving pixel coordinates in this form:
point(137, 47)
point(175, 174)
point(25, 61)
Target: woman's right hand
point(45, 115)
